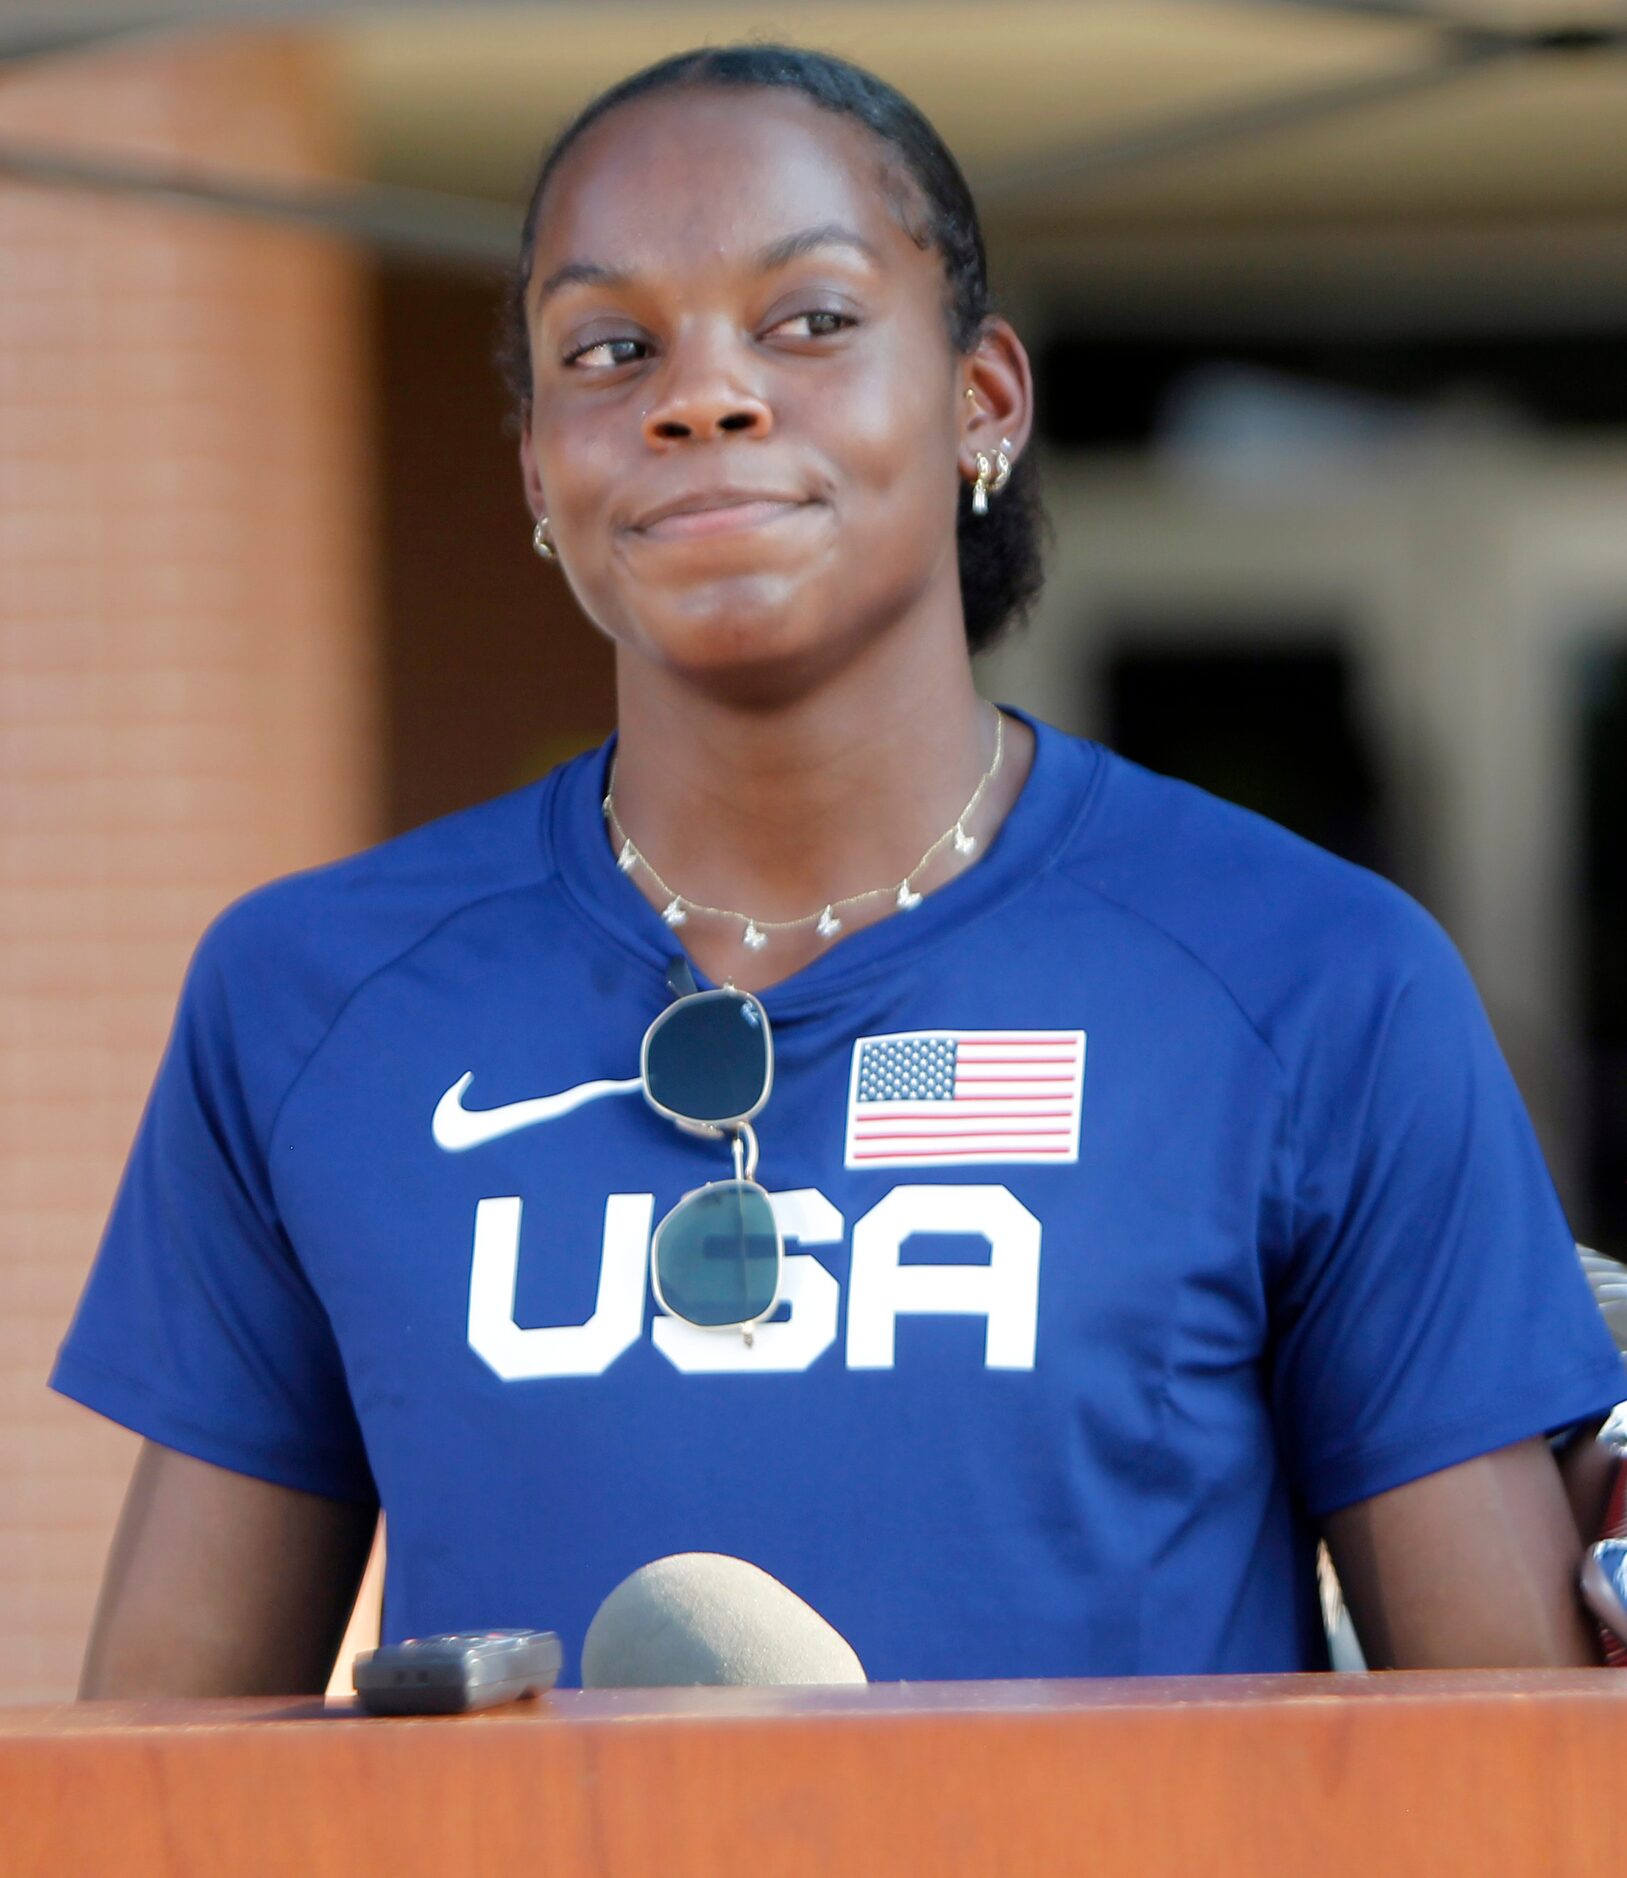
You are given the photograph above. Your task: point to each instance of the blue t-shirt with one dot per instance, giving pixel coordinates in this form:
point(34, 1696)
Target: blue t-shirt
point(1150, 1191)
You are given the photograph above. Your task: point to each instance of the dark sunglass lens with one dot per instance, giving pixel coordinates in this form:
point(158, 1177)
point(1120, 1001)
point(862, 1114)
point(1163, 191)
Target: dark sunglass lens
point(717, 1257)
point(708, 1058)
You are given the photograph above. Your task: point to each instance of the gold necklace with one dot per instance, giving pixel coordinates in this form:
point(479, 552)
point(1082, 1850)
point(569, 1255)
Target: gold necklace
point(827, 922)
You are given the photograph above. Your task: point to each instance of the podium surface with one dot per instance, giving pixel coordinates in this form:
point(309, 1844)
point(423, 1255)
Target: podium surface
point(1490, 1772)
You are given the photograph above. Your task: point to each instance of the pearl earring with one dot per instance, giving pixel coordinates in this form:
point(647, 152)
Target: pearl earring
point(980, 489)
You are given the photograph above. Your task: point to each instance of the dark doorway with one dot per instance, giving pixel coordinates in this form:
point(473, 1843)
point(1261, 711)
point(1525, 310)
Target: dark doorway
point(490, 673)
point(1603, 921)
point(1267, 723)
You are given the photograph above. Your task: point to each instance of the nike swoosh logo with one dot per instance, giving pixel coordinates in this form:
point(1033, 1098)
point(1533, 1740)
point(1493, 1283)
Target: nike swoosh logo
point(456, 1128)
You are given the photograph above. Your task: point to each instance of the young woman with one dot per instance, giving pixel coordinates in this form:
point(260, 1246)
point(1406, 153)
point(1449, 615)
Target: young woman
point(1154, 1199)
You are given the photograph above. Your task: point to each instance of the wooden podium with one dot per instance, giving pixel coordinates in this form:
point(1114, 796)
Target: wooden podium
point(1479, 1772)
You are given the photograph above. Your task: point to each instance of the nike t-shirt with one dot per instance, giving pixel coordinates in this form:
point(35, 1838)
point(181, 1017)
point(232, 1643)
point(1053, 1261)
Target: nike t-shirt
point(1150, 1191)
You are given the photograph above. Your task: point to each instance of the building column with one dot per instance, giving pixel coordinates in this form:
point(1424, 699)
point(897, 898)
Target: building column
point(186, 699)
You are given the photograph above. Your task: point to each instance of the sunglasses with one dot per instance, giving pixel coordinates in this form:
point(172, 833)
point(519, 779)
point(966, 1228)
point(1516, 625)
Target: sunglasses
point(708, 1064)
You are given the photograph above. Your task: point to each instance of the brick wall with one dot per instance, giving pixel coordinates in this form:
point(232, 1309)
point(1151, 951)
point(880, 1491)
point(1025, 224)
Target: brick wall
point(184, 679)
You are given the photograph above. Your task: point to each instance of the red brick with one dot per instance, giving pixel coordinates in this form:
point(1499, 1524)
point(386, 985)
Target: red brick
point(184, 612)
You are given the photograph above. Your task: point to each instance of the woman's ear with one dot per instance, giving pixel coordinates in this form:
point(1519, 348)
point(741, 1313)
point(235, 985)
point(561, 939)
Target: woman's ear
point(530, 475)
point(998, 396)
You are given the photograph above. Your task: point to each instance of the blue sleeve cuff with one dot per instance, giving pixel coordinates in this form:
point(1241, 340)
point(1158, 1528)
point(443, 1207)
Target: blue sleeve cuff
point(336, 1475)
point(1358, 1473)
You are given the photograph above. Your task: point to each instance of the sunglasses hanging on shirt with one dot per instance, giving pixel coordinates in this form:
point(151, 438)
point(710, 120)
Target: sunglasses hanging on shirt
point(707, 1064)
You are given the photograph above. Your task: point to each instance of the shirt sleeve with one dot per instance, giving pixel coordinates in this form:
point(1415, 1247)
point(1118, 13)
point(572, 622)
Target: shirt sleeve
point(198, 1326)
point(1432, 1306)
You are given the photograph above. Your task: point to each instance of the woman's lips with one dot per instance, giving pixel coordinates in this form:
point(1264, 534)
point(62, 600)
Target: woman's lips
point(725, 518)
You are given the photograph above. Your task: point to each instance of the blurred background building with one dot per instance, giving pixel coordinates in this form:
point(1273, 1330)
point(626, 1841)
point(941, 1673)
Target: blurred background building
point(1329, 308)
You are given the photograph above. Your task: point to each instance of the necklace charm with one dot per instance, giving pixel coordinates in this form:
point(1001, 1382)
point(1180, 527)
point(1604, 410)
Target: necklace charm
point(827, 923)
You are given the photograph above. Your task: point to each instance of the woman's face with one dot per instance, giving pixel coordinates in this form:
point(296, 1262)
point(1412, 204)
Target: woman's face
point(747, 415)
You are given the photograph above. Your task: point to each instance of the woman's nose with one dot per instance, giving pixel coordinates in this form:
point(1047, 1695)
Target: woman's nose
point(702, 402)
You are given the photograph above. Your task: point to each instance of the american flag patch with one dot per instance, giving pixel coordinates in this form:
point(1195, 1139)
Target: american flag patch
point(941, 1098)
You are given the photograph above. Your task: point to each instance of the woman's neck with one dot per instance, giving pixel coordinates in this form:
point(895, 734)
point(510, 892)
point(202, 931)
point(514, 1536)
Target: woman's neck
point(775, 811)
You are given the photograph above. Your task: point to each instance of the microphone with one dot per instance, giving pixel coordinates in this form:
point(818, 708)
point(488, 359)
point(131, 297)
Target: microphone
point(1608, 1277)
point(1604, 1589)
point(703, 1618)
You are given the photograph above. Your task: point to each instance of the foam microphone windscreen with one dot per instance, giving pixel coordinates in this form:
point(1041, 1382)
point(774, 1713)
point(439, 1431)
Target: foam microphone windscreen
point(701, 1617)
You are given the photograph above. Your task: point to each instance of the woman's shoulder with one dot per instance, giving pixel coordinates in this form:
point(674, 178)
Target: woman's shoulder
point(276, 970)
point(382, 892)
point(292, 951)
point(1282, 923)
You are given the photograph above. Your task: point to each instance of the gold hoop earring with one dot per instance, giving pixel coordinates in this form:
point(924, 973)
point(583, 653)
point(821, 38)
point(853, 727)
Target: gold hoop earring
point(980, 489)
point(540, 542)
point(1002, 466)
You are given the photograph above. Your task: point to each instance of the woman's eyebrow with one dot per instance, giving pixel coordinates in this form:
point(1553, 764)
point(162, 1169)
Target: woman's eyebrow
point(805, 240)
point(580, 273)
point(777, 254)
